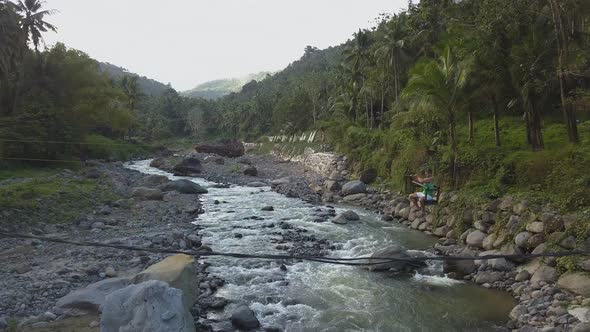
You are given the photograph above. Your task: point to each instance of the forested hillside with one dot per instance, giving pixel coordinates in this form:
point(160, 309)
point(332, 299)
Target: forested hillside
point(148, 86)
point(222, 87)
point(492, 95)
point(60, 104)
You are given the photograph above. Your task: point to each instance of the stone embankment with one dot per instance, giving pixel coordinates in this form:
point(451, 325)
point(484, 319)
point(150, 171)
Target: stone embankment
point(552, 294)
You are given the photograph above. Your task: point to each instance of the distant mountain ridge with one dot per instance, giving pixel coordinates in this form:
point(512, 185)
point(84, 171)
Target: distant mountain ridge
point(148, 85)
point(218, 88)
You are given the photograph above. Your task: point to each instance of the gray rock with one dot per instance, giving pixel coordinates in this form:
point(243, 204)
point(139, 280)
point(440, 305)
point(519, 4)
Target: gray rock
point(488, 277)
point(147, 194)
point(518, 311)
point(3, 323)
point(183, 186)
point(251, 171)
point(581, 313)
point(393, 251)
point(280, 181)
point(244, 318)
point(344, 217)
point(475, 238)
point(535, 240)
point(578, 283)
point(582, 327)
point(539, 249)
point(368, 176)
point(149, 306)
point(488, 242)
point(188, 167)
point(93, 296)
point(585, 265)
point(154, 180)
point(568, 243)
point(267, 208)
point(256, 184)
point(536, 227)
point(512, 249)
point(521, 239)
point(544, 273)
point(501, 264)
point(462, 268)
point(354, 187)
point(522, 276)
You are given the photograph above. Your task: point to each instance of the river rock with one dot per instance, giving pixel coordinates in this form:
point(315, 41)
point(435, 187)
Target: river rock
point(462, 268)
point(345, 216)
point(544, 273)
point(475, 238)
point(521, 239)
point(268, 208)
point(224, 148)
point(582, 327)
point(332, 186)
point(568, 243)
point(535, 227)
point(488, 277)
point(488, 242)
point(535, 240)
point(581, 313)
point(368, 176)
point(393, 251)
point(518, 311)
point(512, 249)
point(183, 186)
point(188, 167)
point(501, 264)
point(578, 283)
point(522, 276)
point(179, 272)
point(354, 187)
point(149, 306)
point(251, 171)
point(280, 181)
point(92, 296)
point(256, 184)
point(147, 194)
point(244, 318)
point(154, 180)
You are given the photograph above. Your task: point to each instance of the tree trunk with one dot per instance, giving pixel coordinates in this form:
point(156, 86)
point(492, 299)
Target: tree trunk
point(569, 115)
point(496, 120)
point(471, 126)
point(536, 131)
point(527, 121)
point(382, 115)
point(454, 149)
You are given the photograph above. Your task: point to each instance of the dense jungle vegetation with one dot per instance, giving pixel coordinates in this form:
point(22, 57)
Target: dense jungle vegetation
point(493, 95)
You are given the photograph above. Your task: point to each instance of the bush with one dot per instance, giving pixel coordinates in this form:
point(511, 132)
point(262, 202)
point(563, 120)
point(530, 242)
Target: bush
point(100, 147)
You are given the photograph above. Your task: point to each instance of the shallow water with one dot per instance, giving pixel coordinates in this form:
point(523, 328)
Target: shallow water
point(312, 296)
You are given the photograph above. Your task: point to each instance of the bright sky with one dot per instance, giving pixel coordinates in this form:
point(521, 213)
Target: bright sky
point(186, 42)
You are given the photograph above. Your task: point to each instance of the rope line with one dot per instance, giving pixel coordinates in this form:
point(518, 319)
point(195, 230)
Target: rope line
point(329, 260)
point(75, 143)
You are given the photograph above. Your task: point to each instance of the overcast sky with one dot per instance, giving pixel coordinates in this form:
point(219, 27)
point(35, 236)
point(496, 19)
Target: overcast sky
point(186, 42)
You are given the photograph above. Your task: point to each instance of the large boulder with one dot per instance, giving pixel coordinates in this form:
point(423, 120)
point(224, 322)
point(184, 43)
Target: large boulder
point(179, 272)
point(368, 176)
point(475, 238)
point(578, 283)
point(395, 252)
point(461, 267)
point(149, 306)
point(224, 148)
point(92, 297)
point(251, 171)
point(345, 216)
point(244, 318)
point(354, 187)
point(147, 194)
point(183, 186)
point(544, 273)
point(188, 167)
point(154, 180)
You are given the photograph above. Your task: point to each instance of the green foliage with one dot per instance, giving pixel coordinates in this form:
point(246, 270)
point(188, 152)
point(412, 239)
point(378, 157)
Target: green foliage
point(55, 199)
point(100, 147)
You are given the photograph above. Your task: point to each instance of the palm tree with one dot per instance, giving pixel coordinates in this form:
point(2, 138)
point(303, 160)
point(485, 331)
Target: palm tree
point(440, 85)
point(33, 23)
point(11, 39)
point(392, 51)
point(132, 90)
point(354, 56)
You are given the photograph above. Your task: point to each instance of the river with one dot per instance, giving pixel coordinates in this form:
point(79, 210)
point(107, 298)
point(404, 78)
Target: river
point(311, 296)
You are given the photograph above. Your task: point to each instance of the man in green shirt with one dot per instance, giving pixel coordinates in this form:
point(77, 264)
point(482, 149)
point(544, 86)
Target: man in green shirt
point(428, 190)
